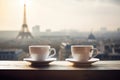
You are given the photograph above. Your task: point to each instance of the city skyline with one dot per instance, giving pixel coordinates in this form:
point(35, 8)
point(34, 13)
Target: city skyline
point(82, 15)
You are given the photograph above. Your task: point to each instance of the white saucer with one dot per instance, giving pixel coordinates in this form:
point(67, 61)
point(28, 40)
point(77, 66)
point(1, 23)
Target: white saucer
point(39, 62)
point(92, 60)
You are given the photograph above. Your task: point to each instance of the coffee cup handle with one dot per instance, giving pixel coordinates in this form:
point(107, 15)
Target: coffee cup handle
point(95, 52)
point(51, 55)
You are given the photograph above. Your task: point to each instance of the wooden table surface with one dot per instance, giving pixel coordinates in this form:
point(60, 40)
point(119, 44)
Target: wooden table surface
point(60, 70)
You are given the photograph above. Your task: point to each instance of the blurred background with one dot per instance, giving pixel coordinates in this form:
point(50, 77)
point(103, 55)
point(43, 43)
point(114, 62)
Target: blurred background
point(59, 23)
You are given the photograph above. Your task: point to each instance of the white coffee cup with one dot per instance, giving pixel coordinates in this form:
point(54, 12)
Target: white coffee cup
point(83, 52)
point(41, 52)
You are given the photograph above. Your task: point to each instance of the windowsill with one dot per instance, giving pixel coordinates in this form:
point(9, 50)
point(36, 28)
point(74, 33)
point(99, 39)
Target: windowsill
point(61, 65)
point(61, 70)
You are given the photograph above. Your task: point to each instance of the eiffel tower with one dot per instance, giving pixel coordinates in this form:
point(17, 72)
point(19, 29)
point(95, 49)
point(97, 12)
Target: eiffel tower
point(24, 33)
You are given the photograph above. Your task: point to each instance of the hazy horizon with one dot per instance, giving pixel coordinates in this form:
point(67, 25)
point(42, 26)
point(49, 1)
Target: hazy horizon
point(81, 15)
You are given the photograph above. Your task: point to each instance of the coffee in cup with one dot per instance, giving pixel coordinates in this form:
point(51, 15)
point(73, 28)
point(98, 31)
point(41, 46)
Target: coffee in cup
point(83, 52)
point(41, 52)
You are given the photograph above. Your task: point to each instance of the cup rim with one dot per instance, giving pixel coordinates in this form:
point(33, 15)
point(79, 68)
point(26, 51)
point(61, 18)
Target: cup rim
point(81, 45)
point(39, 46)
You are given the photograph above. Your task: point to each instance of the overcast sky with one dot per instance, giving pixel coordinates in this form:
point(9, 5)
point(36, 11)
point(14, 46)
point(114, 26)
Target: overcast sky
point(82, 15)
